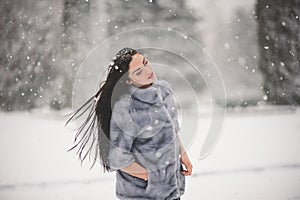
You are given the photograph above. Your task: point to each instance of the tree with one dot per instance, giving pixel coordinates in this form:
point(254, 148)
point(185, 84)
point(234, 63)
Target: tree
point(279, 46)
point(28, 54)
point(129, 14)
point(75, 43)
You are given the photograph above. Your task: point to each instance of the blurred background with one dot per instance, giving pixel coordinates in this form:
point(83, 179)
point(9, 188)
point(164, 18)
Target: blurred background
point(254, 43)
point(44, 43)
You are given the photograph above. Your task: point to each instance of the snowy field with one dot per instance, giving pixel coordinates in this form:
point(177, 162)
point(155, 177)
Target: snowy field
point(257, 157)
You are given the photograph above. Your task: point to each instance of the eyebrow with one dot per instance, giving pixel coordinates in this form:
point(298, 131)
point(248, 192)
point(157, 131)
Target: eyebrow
point(139, 67)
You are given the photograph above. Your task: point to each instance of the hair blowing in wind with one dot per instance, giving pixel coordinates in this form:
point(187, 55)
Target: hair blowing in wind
point(96, 126)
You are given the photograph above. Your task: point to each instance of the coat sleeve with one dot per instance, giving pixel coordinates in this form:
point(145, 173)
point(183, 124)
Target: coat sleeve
point(170, 103)
point(122, 135)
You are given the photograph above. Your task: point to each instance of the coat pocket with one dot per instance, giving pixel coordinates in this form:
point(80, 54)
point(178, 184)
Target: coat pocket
point(138, 182)
point(159, 187)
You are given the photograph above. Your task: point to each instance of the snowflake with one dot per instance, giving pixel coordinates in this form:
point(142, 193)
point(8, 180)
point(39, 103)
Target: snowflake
point(158, 154)
point(149, 128)
point(226, 46)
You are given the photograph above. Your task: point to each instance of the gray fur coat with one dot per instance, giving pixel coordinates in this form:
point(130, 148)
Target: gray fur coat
point(143, 128)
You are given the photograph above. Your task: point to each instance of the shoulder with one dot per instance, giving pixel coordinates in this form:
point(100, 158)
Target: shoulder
point(163, 83)
point(121, 116)
point(122, 103)
point(165, 86)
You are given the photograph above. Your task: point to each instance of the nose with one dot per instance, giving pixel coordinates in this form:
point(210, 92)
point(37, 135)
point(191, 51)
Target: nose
point(148, 66)
point(149, 70)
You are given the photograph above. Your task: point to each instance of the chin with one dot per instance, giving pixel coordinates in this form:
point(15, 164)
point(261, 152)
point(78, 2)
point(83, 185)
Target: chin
point(151, 81)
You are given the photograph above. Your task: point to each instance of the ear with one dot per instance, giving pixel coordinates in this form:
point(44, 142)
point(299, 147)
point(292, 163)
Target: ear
point(129, 82)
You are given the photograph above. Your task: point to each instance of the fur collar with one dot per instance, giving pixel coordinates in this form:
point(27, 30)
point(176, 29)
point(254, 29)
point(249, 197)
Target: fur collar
point(151, 94)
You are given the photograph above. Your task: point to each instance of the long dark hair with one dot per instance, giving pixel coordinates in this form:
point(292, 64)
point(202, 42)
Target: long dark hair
point(96, 126)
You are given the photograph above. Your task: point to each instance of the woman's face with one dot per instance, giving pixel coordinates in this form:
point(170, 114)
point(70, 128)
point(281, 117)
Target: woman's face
point(140, 71)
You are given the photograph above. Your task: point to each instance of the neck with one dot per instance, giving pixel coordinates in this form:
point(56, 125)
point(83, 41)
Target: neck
point(145, 86)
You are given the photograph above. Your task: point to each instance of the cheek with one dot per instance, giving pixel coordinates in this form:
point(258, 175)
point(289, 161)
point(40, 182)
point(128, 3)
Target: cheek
point(142, 79)
point(137, 79)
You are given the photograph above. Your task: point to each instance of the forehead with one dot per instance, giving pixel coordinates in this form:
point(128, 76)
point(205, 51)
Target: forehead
point(136, 61)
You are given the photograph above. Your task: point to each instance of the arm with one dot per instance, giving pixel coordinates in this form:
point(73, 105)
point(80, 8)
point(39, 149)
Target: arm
point(122, 136)
point(185, 159)
point(182, 150)
point(169, 101)
point(136, 170)
point(171, 106)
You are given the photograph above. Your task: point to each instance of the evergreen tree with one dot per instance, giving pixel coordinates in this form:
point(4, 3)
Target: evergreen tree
point(75, 42)
point(28, 54)
point(279, 45)
point(129, 14)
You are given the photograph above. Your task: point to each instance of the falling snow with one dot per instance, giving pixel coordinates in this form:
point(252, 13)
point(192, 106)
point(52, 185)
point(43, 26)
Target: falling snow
point(149, 128)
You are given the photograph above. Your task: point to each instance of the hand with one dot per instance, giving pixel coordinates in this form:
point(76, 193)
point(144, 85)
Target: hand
point(186, 161)
point(136, 170)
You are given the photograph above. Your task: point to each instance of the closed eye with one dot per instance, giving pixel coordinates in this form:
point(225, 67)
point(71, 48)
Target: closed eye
point(138, 72)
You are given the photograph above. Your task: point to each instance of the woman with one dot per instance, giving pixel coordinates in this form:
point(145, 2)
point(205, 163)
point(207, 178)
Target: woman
point(137, 130)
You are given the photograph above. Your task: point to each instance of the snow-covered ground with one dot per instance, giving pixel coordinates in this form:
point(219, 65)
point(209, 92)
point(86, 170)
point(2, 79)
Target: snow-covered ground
point(257, 157)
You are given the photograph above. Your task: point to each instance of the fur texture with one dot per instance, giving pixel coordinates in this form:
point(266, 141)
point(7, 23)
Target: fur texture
point(143, 129)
